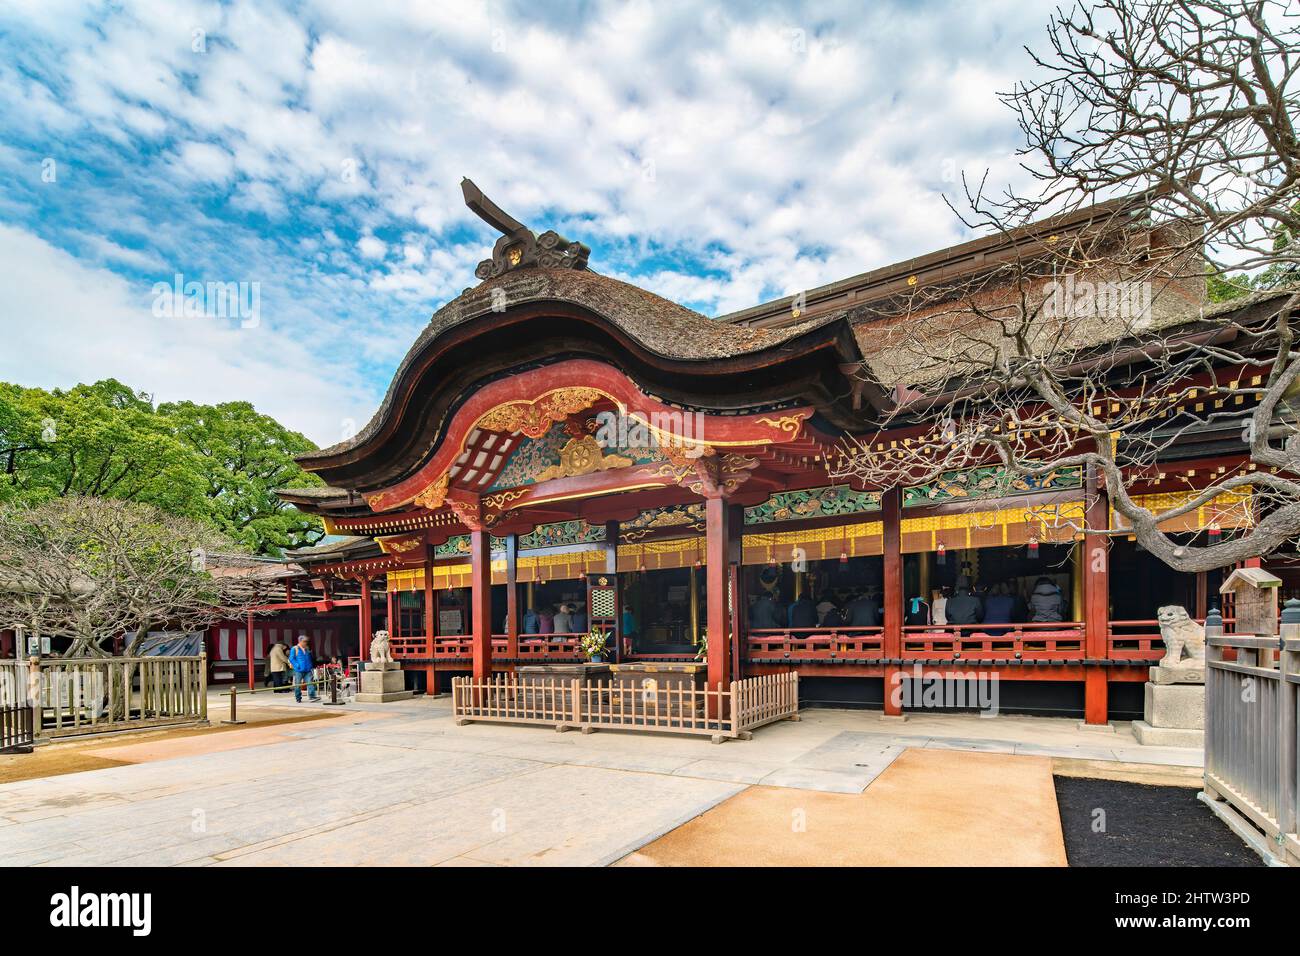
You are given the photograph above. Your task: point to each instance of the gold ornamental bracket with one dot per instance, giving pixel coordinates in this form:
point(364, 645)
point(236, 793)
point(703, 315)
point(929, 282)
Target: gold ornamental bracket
point(583, 456)
point(535, 418)
point(402, 545)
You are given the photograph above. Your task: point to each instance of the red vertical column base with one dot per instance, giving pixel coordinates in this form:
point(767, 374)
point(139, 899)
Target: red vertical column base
point(1095, 696)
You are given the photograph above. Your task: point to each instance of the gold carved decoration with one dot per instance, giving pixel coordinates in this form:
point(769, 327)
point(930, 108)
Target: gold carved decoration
point(534, 419)
point(790, 424)
point(583, 456)
point(400, 545)
point(502, 498)
point(680, 453)
point(435, 493)
point(720, 475)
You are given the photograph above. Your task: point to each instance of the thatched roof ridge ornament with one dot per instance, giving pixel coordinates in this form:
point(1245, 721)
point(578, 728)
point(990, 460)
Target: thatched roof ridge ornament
point(519, 247)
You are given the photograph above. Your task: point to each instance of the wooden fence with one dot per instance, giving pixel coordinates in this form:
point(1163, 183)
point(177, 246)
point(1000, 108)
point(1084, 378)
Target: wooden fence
point(16, 731)
point(97, 695)
point(719, 712)
point(1251, 775)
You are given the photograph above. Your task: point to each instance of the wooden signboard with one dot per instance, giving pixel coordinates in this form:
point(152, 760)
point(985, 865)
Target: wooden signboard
point(1255, 593)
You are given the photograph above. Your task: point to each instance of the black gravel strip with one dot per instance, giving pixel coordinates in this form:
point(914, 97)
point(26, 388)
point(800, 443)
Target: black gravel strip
point(1143, 826)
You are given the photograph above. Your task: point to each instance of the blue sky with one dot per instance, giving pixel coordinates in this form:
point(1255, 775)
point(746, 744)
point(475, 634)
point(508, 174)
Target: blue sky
point(721, 155)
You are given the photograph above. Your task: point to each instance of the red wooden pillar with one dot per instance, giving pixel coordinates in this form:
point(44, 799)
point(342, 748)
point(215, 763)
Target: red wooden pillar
point(366, 622)
point(1096, 601)
point(430, 631)
point(611, 573)
point(512, 596)
point(248, 646)
point(735, 582)
point(715, 582)
point(480, 555)
point(892, 645)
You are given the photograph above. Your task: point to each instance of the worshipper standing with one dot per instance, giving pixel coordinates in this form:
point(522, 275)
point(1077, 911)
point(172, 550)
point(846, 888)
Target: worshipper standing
point(562, 622)
point(302, 662)
point(277, 665)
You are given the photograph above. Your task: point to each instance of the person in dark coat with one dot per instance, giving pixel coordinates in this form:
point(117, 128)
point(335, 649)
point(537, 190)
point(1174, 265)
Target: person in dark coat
point(1000, 607)
point(763, 613)
point(828, 613)
point(802, 613)
point(964, 607)
point(1046, 604)
point(862, 611)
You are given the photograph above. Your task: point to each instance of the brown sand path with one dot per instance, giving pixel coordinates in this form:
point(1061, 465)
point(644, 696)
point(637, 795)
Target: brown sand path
point(235, 738)
point(930, 808)
point(265, 725)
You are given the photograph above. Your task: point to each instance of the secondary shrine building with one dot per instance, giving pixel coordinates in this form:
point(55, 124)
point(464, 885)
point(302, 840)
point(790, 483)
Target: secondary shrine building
point(560, 450)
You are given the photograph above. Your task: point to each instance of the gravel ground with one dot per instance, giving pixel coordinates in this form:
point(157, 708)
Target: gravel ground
point(1143, 826)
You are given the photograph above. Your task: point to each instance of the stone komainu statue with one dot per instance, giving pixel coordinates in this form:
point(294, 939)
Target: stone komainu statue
point(1180, 634)
point(379, 650)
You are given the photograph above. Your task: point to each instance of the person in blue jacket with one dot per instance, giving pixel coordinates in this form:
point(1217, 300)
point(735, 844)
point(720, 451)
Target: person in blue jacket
point(301, 661)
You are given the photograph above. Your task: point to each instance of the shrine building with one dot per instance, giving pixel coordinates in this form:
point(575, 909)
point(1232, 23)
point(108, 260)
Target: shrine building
point(560, 450)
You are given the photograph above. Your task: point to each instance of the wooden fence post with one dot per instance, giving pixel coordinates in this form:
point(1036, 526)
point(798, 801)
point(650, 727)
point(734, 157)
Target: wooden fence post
point(34, 692)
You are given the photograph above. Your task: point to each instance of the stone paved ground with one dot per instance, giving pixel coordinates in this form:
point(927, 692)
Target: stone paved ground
point(399, 783)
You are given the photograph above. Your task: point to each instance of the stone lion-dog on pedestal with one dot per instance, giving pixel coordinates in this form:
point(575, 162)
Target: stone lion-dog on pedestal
point(1182, 636)
point(381, 653)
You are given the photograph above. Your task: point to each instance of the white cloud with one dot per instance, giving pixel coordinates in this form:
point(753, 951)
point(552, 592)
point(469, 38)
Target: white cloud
point(372, 247)
point(719, 154)
point(68, 323)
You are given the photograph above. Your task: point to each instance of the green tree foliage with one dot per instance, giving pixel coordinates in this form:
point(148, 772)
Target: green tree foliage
point(216, 464)
point(243, 457)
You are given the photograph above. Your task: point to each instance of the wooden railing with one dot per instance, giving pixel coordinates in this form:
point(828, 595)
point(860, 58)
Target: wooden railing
point(459, 647)
point(720, 712)
point(108, 694)
point(815, 643)
point(1251, 732)
point(1140, 640)
point(1011, 642)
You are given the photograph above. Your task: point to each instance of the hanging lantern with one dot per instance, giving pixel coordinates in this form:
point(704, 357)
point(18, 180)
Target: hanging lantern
point(1214, 531)
point(844, 556)
point(941, 555)
point(1033, 547)
point(582, 575)
point(844, 545)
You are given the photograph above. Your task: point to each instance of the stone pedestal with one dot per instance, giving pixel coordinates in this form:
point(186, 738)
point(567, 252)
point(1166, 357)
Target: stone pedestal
point(382, 683)
point(1173, 707)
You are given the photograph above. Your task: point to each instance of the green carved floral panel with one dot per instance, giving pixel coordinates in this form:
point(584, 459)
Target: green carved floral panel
point(812, 503)
point(562, 533)
point(991, 482)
